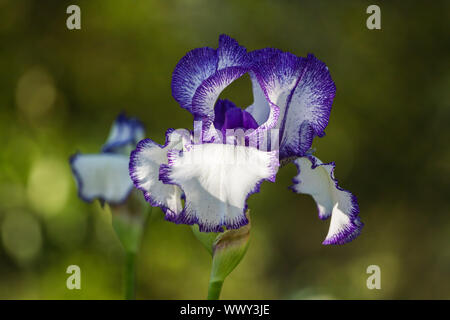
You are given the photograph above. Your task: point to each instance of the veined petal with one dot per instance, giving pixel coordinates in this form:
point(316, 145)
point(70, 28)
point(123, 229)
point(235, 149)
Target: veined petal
point(317, 179)
point(302, 91)
point(208, 92)
point(145, 161)
point(124, 132)
point(102, 176)
point(263, 110)
point(217, 179)
point(202, 74)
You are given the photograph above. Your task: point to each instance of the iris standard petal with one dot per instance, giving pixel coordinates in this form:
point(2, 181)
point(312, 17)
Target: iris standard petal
point(317, 179)
point(144, 165)
point(124, 132)
point(300, 90)
point(102, 176)
point(263, 111)
point(217, 179)
point(202, 74)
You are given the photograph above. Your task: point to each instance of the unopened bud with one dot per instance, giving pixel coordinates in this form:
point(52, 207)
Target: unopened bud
point(227, 249)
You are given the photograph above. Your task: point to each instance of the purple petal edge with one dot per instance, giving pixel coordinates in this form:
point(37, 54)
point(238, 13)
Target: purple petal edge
point(356, 225)
point(143, 144)
point(347, 235)
point(201, 69)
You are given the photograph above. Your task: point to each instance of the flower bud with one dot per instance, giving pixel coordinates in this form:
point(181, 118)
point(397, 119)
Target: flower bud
point(227, 249)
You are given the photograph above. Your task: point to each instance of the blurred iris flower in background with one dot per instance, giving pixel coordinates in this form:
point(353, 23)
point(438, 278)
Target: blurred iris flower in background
point(104, 175)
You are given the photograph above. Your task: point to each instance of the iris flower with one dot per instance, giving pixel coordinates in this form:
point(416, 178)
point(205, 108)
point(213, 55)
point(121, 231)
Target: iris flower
point(104, 176)
point(215, 175)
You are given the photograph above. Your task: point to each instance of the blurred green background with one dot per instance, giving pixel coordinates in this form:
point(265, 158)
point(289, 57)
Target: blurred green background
point(389, 135)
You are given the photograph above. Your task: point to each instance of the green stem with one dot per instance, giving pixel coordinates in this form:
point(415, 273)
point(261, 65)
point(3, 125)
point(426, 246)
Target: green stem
point(130, 275)
point(214, 289)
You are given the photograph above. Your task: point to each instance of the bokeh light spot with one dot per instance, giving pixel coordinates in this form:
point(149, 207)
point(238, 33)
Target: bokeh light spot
point(21, 236)
point(48, 186)
point(35, 93)
point(67, 230)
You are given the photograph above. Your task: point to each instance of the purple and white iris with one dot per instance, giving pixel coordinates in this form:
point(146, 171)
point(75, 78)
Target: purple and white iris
point(105, 175)
point(216, 172)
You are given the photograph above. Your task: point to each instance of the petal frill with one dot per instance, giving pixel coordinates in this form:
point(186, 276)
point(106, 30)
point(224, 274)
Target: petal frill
point(202, 74)
point(144, 165)
point(317, 179)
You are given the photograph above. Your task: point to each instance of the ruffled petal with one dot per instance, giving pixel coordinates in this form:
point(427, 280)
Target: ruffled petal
point(317, 179)
point(144, 165)
point(202, 74)
point(217, 179)
point(125, 132)
point(102, 176)
point(300, 90)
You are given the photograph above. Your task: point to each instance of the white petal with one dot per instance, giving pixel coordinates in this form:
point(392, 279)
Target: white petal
point(102, 176)
point(317, 179)
point(144, 171)
point(217, 180)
